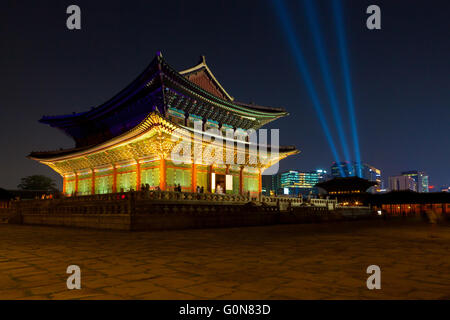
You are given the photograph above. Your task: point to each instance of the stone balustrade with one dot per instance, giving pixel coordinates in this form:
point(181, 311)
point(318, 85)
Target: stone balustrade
point(174, 196)
point(276, 201)
point(157, 210)
point(190, 196)
point(158, 195)
point(125, 203)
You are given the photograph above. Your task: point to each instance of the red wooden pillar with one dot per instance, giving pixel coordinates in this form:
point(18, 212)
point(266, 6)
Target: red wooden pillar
point(64, 185)
point(76, 183)
point(114, 186)
point(260, 182)
point(138, 176)
point(162, 174)
point(194, 178)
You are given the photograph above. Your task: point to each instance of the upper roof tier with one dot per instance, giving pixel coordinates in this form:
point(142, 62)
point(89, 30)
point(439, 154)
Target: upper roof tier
point(193, 91)
point(202, 76)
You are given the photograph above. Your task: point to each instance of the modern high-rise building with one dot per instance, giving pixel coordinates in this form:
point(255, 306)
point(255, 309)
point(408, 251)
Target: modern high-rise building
point(293, 182)
point(309, 179)
point(397, 183)
point(322, 174)
point(420, 178)
point(372, 174)
point(290, 181)
point(344, 166)
point(350, 169)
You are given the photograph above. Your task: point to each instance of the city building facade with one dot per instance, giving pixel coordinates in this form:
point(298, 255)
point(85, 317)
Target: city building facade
point(350, 169)
point(293, 183)
point(372, 174)
point(398, 183)
point(420, 178)
point(344, 166)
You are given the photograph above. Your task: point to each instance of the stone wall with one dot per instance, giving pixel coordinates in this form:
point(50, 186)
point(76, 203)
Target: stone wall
point(174, 216)
point(88, 212)
point(96, 221)
point(6, 215)
point(166, 210)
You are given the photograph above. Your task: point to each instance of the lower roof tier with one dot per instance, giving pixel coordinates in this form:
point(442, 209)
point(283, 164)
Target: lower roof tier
point(158, 138)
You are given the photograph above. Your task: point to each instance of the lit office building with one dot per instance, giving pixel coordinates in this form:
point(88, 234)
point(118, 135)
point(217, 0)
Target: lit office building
point(397, 183)
point(338, 167)
point(420, 178)
point(309, 179)
point(372, 174)
point(295, 183)
point(350, 169)
point(289, 183)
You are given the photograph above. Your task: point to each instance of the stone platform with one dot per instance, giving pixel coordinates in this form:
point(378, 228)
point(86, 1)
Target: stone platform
point(170, 210)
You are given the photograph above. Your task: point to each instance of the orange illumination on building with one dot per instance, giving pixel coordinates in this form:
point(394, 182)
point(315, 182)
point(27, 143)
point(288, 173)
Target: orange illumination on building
point(194, 178)
point(162, 172)
point(148, 135)
point(138, 176)
point(260, 182)
point(114, 186)
point(76, 183)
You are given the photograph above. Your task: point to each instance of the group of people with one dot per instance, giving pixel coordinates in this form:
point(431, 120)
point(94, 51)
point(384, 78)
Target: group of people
point(177, 188)
point(200, 189)
point(145, 187)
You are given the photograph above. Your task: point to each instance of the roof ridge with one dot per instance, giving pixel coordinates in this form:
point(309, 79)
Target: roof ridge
point(198, 67)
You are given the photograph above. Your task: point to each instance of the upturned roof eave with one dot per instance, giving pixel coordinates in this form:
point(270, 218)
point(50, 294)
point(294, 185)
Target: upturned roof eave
point(126, 137)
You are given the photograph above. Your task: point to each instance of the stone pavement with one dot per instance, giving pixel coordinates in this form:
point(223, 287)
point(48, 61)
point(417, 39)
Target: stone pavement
point(315, 261)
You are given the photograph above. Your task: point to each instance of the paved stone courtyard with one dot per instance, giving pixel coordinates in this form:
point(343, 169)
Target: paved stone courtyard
point(315, 261)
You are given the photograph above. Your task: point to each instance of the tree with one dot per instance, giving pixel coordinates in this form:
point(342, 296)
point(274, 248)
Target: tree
point(37, 182)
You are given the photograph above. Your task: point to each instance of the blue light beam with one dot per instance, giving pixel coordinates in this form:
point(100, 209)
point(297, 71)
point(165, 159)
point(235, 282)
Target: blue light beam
point(339, 21)
point(288, 28)
point(312, 18)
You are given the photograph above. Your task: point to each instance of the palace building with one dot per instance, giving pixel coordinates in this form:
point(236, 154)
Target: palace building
point(128, 141)
point(348, 190)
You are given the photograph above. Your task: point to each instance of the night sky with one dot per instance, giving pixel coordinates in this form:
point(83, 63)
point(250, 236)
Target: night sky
point(400, 74)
